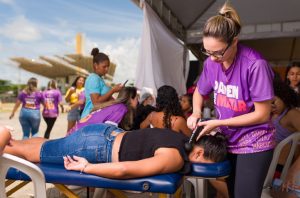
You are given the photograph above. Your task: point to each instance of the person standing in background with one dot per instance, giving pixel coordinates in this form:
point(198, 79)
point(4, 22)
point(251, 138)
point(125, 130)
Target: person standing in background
point(96, 91)
point(241, 80)
point(168, 113)
point(186, 102)
point(72, 97)
point(30, 117)
point(52, 98)
point(143, 109)
point(292, 75)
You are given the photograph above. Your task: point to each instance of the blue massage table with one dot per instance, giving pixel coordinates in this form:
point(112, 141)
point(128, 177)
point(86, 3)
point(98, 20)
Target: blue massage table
point(165, 185)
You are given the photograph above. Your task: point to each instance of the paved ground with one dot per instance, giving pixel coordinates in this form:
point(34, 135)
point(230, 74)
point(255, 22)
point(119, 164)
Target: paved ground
point(59, 130)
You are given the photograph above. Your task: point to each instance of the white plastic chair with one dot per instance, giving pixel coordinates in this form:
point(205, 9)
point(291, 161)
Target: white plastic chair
point(9, 161)
point(293, 140)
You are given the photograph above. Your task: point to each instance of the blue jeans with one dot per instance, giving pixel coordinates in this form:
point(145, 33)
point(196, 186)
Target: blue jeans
point(93, 142)
point(30, 121)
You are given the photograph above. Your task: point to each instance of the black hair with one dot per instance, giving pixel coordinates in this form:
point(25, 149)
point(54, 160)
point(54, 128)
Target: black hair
point(214, 146)
point(76, 79)
point(288, 68)
point(189, 97)
point(282, 90)
point(98, 57)
point(167, 101)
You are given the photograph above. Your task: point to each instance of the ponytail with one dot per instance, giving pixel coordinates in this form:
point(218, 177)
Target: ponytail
point(98, 57)
point(225, 26)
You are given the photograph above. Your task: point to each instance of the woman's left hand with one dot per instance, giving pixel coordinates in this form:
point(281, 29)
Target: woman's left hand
point(208, 126)
point(75, 163)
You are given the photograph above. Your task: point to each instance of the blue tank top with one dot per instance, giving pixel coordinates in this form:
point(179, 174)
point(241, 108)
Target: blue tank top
point(281, 132)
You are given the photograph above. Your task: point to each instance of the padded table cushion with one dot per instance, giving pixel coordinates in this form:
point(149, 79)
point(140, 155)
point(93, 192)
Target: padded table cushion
point(165, 183)
point(57, 174)
point(213, 170)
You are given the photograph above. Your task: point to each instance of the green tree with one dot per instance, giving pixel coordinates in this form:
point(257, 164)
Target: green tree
point(6, 86)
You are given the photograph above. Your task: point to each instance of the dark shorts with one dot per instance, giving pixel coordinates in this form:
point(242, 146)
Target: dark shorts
point(73, 115)
point(93, 142)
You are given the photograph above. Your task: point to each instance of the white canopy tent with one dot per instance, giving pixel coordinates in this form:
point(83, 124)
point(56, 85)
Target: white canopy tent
point(162, 57)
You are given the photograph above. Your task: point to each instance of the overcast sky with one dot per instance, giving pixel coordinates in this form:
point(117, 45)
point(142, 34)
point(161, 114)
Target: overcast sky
point(31, 28)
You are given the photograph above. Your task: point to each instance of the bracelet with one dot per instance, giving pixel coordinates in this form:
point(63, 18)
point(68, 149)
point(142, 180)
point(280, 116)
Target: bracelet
point(82, 170)
point(197, 112)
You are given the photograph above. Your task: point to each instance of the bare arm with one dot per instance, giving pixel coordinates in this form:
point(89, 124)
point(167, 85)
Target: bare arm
point(5, 136)
point(166, 160)
point(97, 98)
point(290, 179)
point(77, 104)
point(260, 115)
point(18, 103)
point(293, 117)
point(61, 107)
point(69, 93)
point(197, 102)
point(181, 124)
point(146, 123)
point(197, 106)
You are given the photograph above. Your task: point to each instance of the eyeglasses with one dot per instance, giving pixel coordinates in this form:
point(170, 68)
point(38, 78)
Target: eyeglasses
point(216, 54)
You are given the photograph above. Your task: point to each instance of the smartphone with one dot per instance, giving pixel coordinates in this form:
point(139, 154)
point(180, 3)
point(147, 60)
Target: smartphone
point(125, 83)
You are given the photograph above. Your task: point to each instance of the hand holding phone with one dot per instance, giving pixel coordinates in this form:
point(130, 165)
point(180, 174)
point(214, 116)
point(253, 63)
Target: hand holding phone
point(125, 83)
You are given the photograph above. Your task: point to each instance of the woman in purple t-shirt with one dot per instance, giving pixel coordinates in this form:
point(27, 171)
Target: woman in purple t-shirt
point(52, 98)
point(30, 116)
point(118, 112)
point(241, 81)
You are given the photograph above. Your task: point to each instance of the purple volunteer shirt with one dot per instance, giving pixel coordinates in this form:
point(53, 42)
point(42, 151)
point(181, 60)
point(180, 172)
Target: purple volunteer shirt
point(31, 101)
point(247, 80)
point(113, 114)
point(81, 97)
point(52, 98)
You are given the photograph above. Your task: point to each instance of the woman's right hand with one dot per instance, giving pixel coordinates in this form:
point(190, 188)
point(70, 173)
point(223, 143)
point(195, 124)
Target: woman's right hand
point(11, 115)
point(192, 121)
point(117, 87)
point(72, 90)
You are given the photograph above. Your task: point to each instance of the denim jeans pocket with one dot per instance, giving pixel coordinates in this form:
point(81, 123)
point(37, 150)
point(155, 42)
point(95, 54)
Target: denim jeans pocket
point(93, 130)
point(95, 154)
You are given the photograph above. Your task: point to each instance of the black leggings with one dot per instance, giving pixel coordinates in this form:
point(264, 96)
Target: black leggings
point(50, 122)
point(248, 174)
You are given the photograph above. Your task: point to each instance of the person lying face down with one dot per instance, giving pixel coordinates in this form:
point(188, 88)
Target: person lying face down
point(108, 151)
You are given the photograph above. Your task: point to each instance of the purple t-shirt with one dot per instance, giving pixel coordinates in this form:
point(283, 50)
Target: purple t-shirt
point(81, 97)
point(247, 80)
point(112, 114)
point(52, 98)
point(31, 101)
